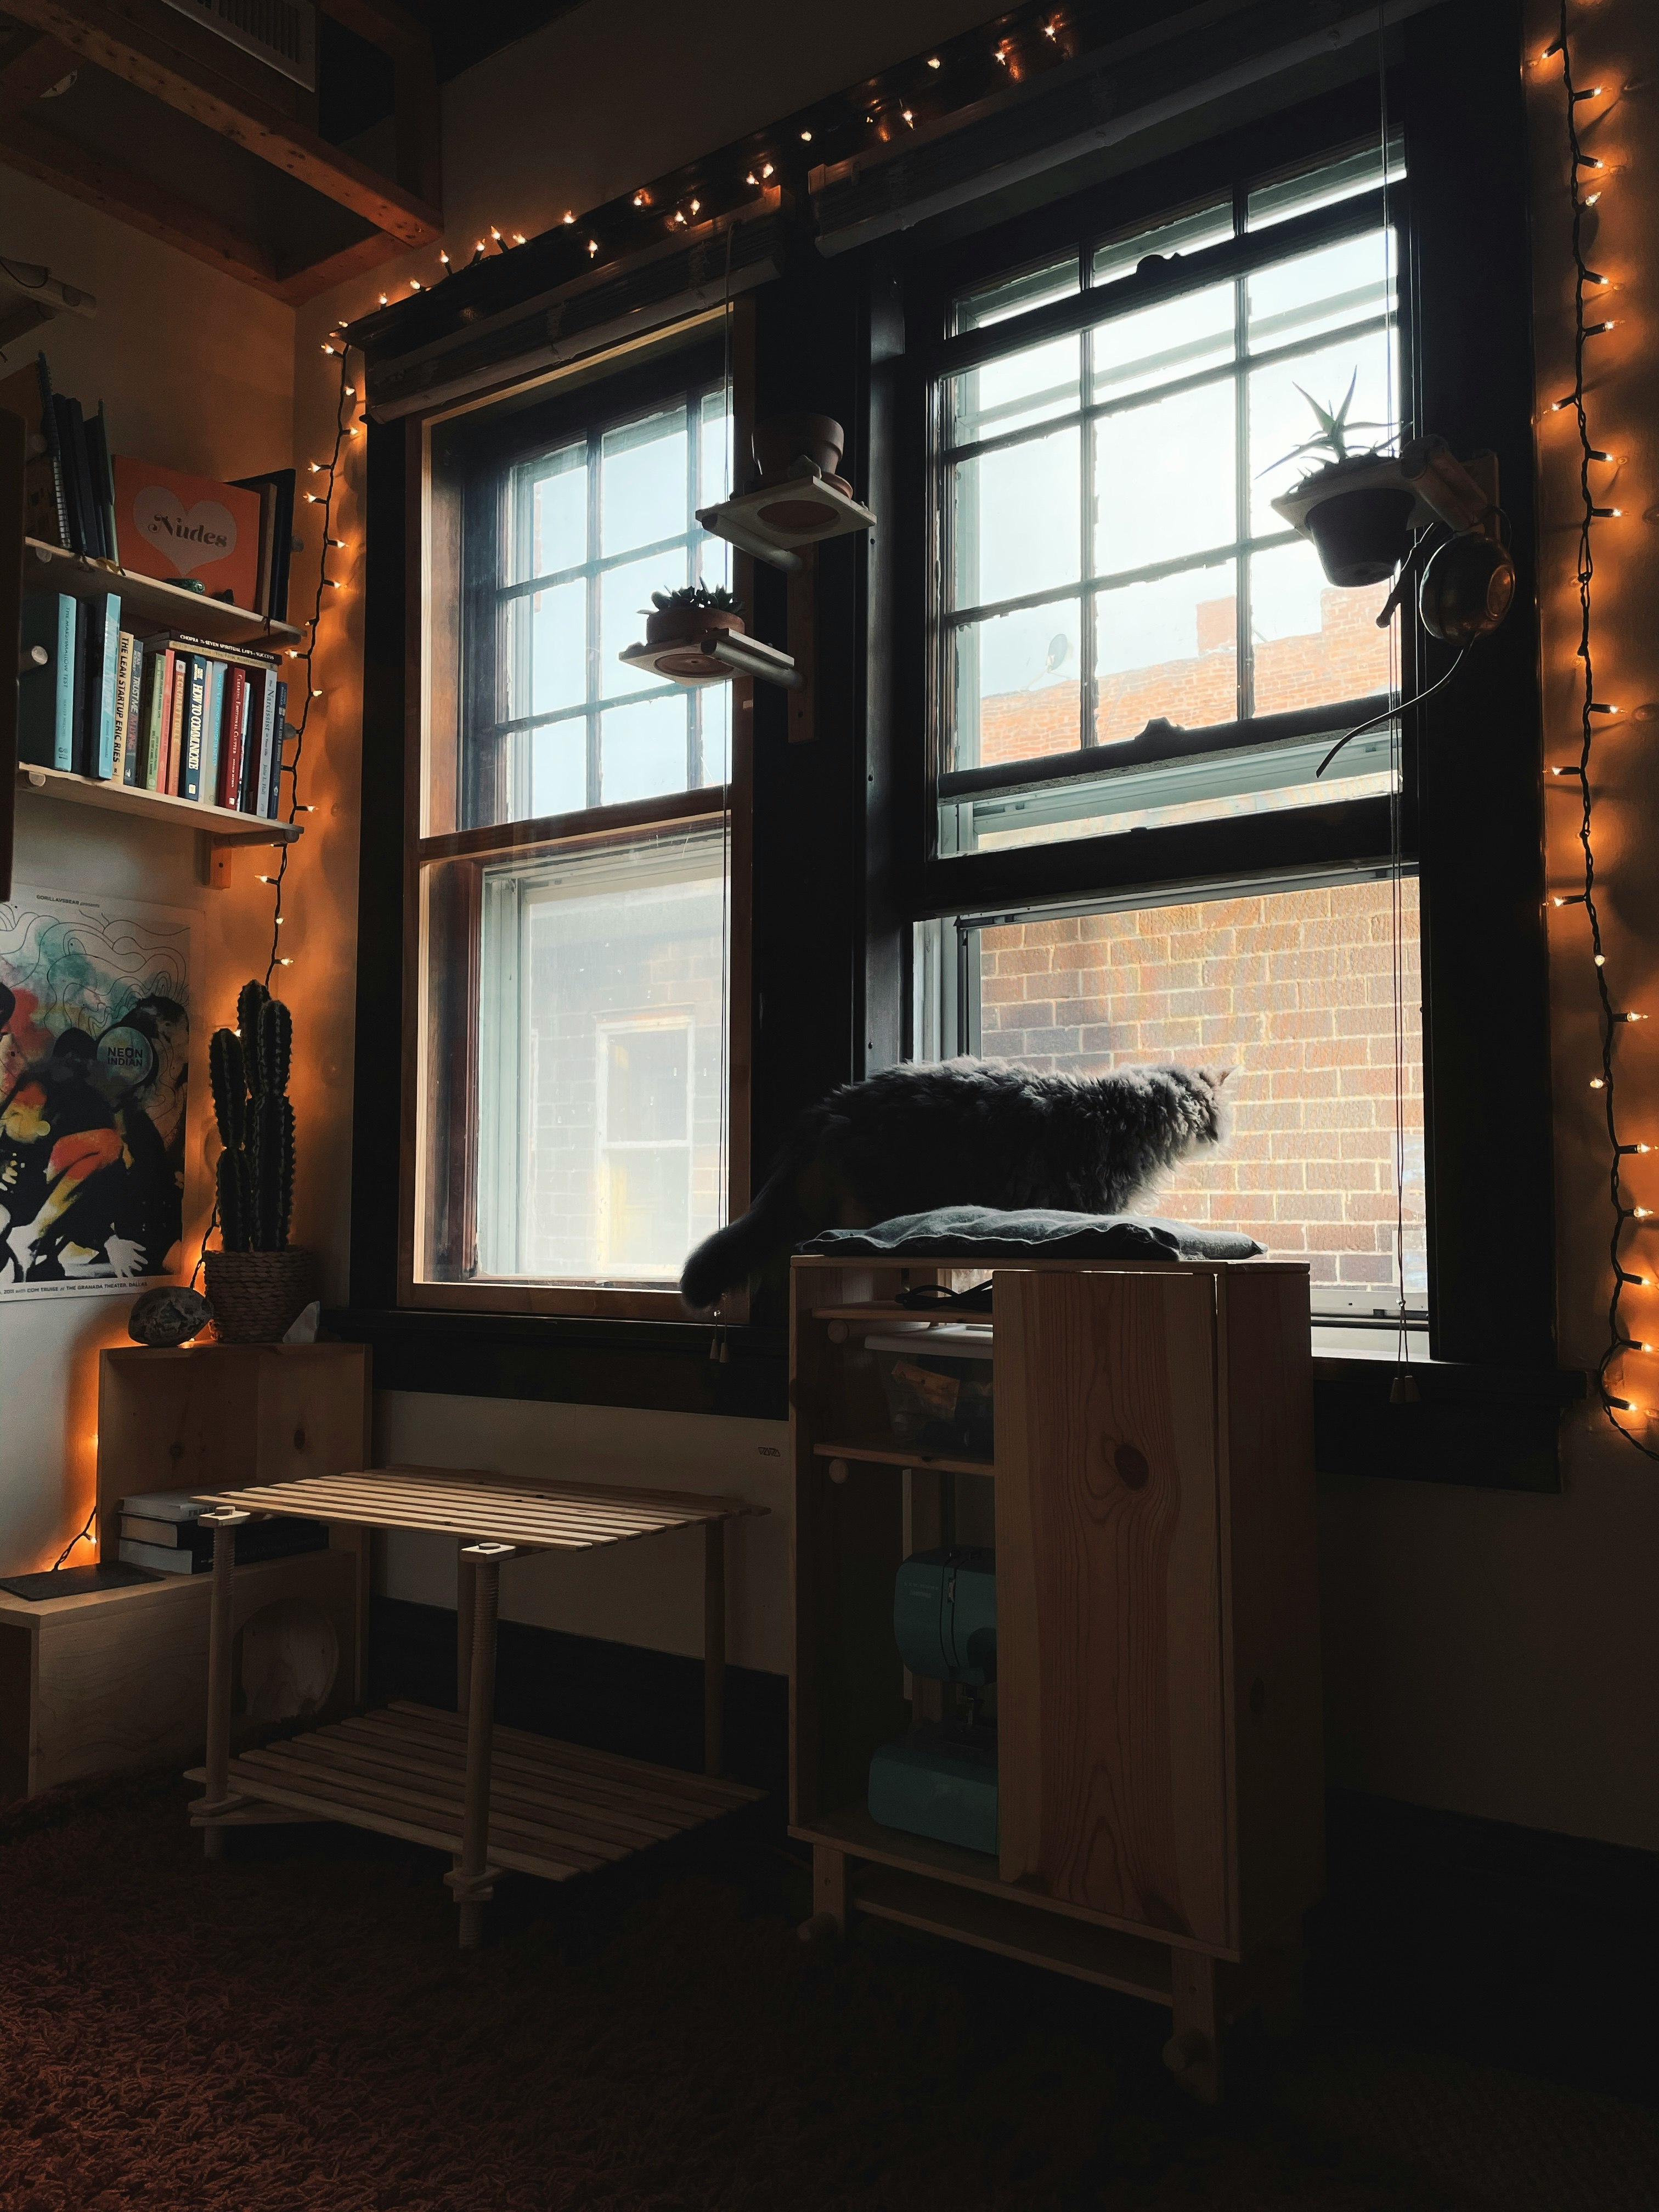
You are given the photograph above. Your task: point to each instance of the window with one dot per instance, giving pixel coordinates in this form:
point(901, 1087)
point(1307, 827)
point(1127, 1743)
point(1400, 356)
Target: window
point(1131, 648)
point(575, 892)
point(1116, 590)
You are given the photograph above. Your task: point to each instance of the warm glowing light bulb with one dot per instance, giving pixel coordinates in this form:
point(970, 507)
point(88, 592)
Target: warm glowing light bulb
point(933, 61)
point(639, 199)
point(592, 247)
point(384, 299)
point(351, 392)
point(326, 347)
point(1601, 959)
point(1598, 1082)
point(517, 238)
point(443, 257)
point(751, 179)
point(807, 138)
point(766, 168)
point(569, 214)
point(908, 116)
point(495, 234)
point(695, 206)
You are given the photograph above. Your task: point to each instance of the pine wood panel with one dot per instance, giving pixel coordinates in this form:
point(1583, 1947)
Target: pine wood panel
point(1137, 1967)
point(1109, 1663)
point(1270, 1539)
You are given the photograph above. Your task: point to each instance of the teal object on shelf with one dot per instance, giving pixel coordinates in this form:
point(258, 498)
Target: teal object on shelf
point(941, 1780)
point(945, 1615)
point(937, 1783)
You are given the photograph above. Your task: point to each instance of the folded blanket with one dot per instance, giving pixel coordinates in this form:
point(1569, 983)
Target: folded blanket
point(982, 1232)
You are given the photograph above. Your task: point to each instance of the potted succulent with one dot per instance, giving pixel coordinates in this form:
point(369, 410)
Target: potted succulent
point(689, 612)
point(1354, 508)
point(258, 1283)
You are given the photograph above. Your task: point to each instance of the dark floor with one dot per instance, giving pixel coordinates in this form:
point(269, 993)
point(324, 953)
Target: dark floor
point(294, 2029)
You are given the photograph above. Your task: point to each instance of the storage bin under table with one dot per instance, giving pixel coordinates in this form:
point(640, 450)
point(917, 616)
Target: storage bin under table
point(496, 1799)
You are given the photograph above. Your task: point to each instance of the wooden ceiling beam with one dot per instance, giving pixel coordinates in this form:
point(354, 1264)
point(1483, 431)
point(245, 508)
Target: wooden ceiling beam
point(120, 37)
point(32, 68)
point(113, 191)
point(299, 285)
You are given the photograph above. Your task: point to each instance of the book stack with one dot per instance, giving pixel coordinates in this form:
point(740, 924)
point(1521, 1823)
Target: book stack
point(161, 1530)
point(171, 714)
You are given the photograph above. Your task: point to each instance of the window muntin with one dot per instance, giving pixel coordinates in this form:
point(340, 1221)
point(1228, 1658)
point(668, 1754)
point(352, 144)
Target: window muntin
point(1117, 562)
point(1293, 985)
point(567, 546)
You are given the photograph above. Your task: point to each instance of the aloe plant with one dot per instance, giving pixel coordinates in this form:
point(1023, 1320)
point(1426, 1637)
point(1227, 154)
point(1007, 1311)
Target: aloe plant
point(248, 1070)
point(703, 597)
point(1334, 429)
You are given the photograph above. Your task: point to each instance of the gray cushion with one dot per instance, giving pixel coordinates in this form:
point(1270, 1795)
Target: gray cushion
point(982, 1232)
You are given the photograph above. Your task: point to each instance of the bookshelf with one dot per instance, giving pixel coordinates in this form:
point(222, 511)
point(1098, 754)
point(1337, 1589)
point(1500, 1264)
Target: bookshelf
point(149, 603)
point(148, 606)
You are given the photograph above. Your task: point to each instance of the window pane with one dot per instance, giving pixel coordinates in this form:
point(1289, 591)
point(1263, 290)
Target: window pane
point(1293, 987)
point(558, 768)
point(545, 654)
point(648, 1075)
point(1321, 291)
point(1359, 172)
point(1281, 418)
point(1163, 480)
point(1017, 520)
point(1179, 233)
point(1018, 294)
point(572, 1121)
point(1312, 642)
point(1022, 388)
point(643, 748)
point(714, 707)
point(1017, 685)
point(643, 482)
point(624, 601)
point(1156, 345)
point(555, 535)
point(1167, 648)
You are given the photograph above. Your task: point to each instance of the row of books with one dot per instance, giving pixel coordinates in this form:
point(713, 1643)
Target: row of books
point(175, 714)
point(161, 1530)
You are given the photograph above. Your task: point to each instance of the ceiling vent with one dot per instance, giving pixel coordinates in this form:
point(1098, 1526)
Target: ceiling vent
point(282, 32)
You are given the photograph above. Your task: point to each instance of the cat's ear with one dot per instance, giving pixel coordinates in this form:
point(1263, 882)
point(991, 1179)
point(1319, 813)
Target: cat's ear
point(1215, 1077)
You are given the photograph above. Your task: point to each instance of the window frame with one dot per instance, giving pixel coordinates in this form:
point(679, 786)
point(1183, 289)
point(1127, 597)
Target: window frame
point(1465, 343)
point(443, 1137)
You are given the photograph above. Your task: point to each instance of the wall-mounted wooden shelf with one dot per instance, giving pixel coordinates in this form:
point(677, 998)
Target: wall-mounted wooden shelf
point(884, 1451)
point(223, 825)
point(149, 602)
point(150, 605)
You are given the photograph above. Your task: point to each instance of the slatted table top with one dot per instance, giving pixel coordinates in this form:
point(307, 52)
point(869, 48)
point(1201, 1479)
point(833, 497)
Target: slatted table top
point(553, 1516)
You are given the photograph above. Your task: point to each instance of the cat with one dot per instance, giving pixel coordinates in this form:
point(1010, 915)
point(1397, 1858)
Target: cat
point(962, 1133)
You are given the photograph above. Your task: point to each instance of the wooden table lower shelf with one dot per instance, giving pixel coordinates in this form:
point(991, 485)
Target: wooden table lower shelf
point(556, 1809)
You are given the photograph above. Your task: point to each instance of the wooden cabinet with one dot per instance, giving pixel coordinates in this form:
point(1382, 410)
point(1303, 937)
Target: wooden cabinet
point(1159, 1764)
point(118, 1678)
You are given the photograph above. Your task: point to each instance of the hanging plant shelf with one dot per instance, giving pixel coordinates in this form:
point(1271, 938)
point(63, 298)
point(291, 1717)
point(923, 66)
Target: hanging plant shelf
point(774, 522)
point(714, 656)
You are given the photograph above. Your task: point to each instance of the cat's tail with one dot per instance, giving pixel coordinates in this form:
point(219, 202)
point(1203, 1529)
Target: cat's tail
point(734, 1255)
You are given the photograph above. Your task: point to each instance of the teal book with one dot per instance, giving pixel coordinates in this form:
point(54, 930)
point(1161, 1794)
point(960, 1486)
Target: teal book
point(196, 686)
point(103, 663)
point(213, 715)
point(45, 696)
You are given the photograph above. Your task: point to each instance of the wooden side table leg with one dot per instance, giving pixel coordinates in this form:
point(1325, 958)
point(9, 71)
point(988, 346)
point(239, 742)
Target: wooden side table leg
point(829, 1900)
point(472, 1881)
point(220, 1647)
point(1192, 2053)
point(465, 1587)
point(713, 1647)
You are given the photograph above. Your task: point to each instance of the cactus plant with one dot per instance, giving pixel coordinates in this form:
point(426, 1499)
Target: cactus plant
point(249, 1070)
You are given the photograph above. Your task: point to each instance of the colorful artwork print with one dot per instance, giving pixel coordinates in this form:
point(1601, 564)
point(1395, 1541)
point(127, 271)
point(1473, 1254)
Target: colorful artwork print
point(95, 1066)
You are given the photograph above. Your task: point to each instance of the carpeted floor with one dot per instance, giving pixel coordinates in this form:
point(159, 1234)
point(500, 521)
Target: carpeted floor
point(293, 2031)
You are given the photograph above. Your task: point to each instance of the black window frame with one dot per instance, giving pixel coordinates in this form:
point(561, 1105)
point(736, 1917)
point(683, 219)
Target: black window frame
point(1473, 754)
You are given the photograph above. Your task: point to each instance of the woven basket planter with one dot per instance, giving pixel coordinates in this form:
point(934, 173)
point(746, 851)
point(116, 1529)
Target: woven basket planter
point(256, 1296)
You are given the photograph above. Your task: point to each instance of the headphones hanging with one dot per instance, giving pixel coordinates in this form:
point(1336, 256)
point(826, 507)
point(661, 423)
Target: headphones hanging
point(1468, 588)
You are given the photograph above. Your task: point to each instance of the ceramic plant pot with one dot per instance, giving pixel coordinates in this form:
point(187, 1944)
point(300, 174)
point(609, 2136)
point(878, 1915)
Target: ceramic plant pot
point(687, 626)
point(256, 1296)
point(1361, 536)
point(782, 439)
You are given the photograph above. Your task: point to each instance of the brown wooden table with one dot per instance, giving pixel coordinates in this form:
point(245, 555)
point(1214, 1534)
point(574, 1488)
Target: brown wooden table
point(495, 1799)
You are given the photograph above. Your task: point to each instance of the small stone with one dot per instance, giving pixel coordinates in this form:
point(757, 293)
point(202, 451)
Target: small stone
point(168, 1317)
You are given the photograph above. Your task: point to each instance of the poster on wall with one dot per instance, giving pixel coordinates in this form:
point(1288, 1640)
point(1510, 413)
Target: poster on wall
point(94, 1064)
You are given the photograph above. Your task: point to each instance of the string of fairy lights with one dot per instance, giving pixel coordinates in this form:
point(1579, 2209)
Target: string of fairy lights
point(1586, 174)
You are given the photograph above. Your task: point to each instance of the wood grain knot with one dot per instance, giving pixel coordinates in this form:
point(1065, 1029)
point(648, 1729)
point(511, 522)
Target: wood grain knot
point(1133, 1471)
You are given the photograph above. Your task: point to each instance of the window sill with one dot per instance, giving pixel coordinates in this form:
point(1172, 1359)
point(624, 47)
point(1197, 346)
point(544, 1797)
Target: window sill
point(1491, 1428)
point(659, 1366)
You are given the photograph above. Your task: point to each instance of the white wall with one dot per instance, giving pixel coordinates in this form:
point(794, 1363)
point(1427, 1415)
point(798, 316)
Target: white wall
point(197, 371)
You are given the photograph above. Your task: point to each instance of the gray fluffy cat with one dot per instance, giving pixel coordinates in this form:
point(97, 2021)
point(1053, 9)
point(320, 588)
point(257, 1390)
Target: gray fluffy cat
point(966, 1133)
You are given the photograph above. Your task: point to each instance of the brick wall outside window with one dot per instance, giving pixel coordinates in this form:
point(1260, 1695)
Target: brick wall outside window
point(1294, 989)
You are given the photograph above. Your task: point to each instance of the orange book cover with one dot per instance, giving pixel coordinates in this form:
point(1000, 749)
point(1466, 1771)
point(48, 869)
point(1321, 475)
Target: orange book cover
point(186, 529)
